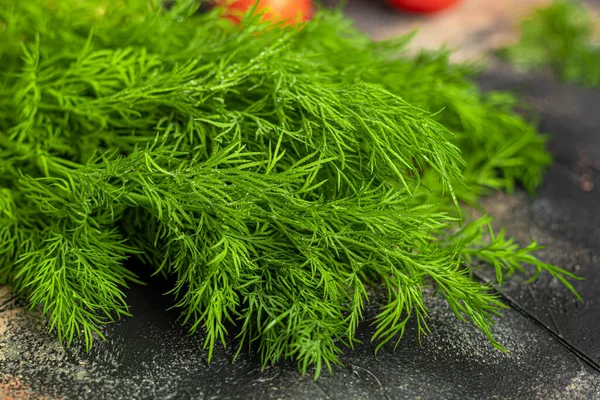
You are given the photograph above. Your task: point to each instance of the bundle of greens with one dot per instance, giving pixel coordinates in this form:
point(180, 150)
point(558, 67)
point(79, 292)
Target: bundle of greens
point(276, 174)
point(559, 36)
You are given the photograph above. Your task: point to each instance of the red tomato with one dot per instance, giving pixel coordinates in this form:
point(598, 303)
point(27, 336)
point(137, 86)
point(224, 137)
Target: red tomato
point(290, 11)
point(422, 6)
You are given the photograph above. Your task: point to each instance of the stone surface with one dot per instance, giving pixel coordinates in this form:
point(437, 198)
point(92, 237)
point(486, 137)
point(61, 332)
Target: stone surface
point(151, 357)
point(564, 214)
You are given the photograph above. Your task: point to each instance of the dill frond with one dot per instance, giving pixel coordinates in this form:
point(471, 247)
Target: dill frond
point(560, 36)
point(277, 174)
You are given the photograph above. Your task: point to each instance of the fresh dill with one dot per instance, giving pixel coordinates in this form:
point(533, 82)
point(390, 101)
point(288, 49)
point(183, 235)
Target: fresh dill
point(278, 174)
point(560, 36)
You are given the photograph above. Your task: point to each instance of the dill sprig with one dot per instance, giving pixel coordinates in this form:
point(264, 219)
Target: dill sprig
point(278, 174)
point(560, 36)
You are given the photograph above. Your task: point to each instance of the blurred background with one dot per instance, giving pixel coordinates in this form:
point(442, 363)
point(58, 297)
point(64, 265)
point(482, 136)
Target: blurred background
point(469, 27)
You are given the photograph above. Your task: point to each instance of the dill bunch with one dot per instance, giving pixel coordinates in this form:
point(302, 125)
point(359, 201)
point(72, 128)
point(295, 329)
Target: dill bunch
point(276, 174)
point(559, 36)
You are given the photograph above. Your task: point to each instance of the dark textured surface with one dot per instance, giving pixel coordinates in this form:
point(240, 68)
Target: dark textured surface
point(565, 213)
point(151, 357)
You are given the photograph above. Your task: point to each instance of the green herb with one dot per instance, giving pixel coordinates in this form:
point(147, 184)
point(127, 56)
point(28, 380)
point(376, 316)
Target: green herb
point(559, 36)
point(278, 174)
